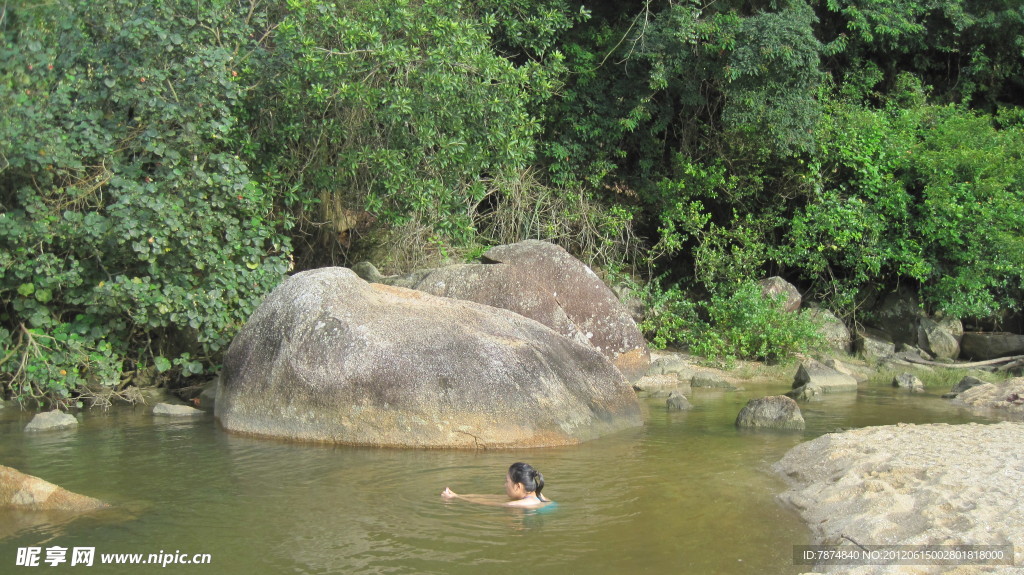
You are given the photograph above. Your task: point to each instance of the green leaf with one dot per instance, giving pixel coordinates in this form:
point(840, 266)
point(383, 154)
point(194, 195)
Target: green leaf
point(44, 295)
point(161, 363)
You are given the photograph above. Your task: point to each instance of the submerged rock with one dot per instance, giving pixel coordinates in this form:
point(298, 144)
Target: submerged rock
point(176, 410)
point(774, 412)
point(30, 493)
point(329, 357)
point(661, 385)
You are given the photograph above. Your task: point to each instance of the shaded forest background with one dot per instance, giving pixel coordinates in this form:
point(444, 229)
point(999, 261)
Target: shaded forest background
point(164, 164)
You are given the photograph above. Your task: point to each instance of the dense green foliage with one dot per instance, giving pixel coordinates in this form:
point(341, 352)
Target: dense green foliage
point(164, 164)
point(400, 110)
point(741, 322)
point(843, 144)
point(133, 234)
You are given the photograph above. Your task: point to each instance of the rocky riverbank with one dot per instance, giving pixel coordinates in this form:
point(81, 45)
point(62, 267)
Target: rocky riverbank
point(905, 484)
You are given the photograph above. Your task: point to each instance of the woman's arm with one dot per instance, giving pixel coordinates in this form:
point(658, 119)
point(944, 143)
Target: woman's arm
point(493, 500)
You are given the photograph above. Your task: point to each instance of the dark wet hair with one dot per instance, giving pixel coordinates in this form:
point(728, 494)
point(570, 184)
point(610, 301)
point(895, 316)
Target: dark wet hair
point(531, 479)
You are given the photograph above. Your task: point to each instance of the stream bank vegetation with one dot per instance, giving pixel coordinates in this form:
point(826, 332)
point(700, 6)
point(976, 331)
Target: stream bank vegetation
point(163, 165)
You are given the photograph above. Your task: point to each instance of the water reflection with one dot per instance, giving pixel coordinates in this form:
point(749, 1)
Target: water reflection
point(685, 493)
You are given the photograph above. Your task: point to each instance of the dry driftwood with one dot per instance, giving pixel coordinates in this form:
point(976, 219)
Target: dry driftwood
point(997, 361)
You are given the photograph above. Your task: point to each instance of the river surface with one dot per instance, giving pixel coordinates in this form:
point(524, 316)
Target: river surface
point(686, 493)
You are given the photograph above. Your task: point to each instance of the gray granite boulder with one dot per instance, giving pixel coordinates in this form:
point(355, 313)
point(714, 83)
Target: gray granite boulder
point(991, 345)
point(331, 358)
point(710, 380)
point(774, 412)
point(543, 282)
point(873, 345)
point(813, 372)
point(835, 332)
point(941, 338)
point(898, 315)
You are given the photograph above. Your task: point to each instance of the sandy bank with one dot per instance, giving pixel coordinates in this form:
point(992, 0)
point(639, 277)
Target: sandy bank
point(912, 485)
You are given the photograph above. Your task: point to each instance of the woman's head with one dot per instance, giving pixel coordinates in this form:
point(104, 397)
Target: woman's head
point(522, 476)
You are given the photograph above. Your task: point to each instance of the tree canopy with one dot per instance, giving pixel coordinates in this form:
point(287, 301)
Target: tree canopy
point(163, 165)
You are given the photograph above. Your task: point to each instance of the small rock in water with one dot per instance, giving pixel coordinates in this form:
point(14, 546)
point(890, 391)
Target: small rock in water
point(908, 381)
point(678, 401)
point(51, 421)
point(176, 410)
point(774, 412)
point(966, 383)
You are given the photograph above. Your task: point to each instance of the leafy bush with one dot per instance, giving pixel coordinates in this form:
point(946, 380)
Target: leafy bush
point(134, 237)
point(737, 322)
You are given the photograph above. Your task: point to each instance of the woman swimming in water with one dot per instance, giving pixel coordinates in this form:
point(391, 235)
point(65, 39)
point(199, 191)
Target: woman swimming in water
point(523, 485)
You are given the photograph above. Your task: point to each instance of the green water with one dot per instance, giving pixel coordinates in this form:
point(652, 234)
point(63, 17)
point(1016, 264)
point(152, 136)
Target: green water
point(686, 493)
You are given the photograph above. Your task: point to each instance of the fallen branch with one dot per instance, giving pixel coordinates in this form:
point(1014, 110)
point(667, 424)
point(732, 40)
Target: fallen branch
point(913, 359)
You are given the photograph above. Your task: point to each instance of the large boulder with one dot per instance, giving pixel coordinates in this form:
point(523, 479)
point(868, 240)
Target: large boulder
point(940, 338)
point(873, 346)
point(835, 332)
point(898, 314)
point(329, 357)
point(542, 281)
point(30, 493)
point(991, 345)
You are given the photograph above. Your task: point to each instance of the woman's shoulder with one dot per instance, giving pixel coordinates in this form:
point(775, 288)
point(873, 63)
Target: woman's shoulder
point(531, 503)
